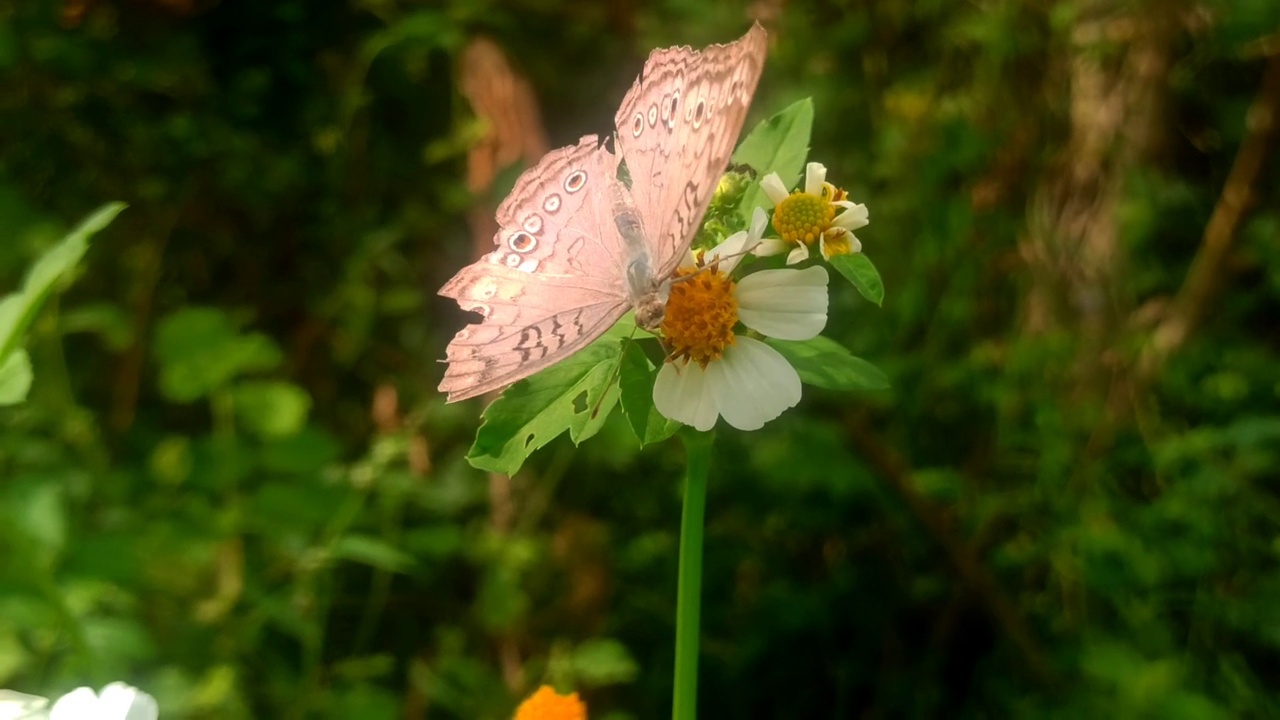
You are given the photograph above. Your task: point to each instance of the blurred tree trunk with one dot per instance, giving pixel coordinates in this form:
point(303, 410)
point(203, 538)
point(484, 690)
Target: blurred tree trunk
point(1116, 90)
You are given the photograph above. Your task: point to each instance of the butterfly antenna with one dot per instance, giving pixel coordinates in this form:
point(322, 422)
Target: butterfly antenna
point(740, 253)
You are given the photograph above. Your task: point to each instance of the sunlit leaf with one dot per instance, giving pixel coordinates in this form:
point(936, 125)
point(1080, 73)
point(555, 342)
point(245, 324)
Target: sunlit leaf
point(825, 363)
point(15, 377)
point(576, 394)
point(857, 269)
point(778, 144)
point(18, 309)
point(636, 386)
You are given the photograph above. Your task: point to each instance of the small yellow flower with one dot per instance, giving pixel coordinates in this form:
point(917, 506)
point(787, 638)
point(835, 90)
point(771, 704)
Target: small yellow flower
point(820, 213)
point(547, 704)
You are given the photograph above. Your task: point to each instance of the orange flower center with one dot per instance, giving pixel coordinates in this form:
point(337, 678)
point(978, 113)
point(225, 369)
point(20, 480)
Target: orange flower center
point(546, 704)
point(701, 314)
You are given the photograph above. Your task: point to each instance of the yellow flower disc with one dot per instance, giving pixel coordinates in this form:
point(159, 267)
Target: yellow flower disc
point(546, 704)
point(701, 314)
point(802, 218)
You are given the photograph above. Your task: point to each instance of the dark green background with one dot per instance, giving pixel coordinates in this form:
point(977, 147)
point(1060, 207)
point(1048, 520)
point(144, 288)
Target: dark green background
point(1032, 523)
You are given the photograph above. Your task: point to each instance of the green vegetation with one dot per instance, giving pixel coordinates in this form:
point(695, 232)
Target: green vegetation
point(226, 476)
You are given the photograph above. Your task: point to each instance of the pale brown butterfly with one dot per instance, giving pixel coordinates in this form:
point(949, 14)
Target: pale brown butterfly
point(578, 245)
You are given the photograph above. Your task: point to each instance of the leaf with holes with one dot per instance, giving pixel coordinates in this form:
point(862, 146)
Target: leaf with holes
point(576, 394)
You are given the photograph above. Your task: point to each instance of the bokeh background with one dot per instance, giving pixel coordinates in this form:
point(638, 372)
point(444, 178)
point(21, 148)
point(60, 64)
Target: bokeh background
point(235, 486)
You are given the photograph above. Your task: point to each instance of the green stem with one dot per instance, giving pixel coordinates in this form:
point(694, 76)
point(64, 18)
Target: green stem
point(689, 591)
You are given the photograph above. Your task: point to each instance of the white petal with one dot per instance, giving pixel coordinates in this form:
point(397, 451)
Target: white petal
point(773, 187)
point(731, 250)
point(798, 255)
point(119, 700)
point(681, 393)
point(787, 304)
point(855, 245)
point(814, 175)
point(21, 706)
point(752, 384)
point(759, 221)
point(79, 704)
point(770, 246)
point(690, 261)
point(853, 217)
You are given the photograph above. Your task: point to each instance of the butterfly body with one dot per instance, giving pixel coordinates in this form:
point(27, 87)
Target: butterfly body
point(577, 246)
point(646, 292)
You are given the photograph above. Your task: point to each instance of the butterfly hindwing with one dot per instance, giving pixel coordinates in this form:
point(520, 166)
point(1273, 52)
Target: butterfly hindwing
point(552, 284)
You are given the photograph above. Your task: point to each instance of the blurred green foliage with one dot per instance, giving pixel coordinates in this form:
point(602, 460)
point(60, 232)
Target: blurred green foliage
point(197, 498)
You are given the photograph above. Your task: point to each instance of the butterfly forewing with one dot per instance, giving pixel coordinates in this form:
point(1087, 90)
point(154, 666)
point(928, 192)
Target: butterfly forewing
point(676, 130)
point(552, 284)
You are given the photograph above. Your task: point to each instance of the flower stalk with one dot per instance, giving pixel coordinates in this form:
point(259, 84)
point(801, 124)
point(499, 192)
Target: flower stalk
point(689, 588)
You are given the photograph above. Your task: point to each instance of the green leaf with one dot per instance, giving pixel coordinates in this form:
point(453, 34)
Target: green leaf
point(15, 378)
point(779, 144)
point(857, 269)
point(18, 309)
point(108, 321)
point(635, 383)
point(199, 350)
point(39, 511)
point(603, 662)
point(825, 363)
point(576, 394)
point(271, 409)
point(371, 551)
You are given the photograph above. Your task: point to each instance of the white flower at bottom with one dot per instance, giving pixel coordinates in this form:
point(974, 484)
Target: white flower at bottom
point(714, 372)
point(117, 701)
point(751, 385)
point(21, 706)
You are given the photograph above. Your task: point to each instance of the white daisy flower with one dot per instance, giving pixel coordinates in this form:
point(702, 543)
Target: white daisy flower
point(117, 701)
point(714, 372)
point(21, 706)
point(808, 216)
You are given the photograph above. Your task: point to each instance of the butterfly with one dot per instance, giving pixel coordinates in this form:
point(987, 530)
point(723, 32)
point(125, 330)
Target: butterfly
point(589, 233)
